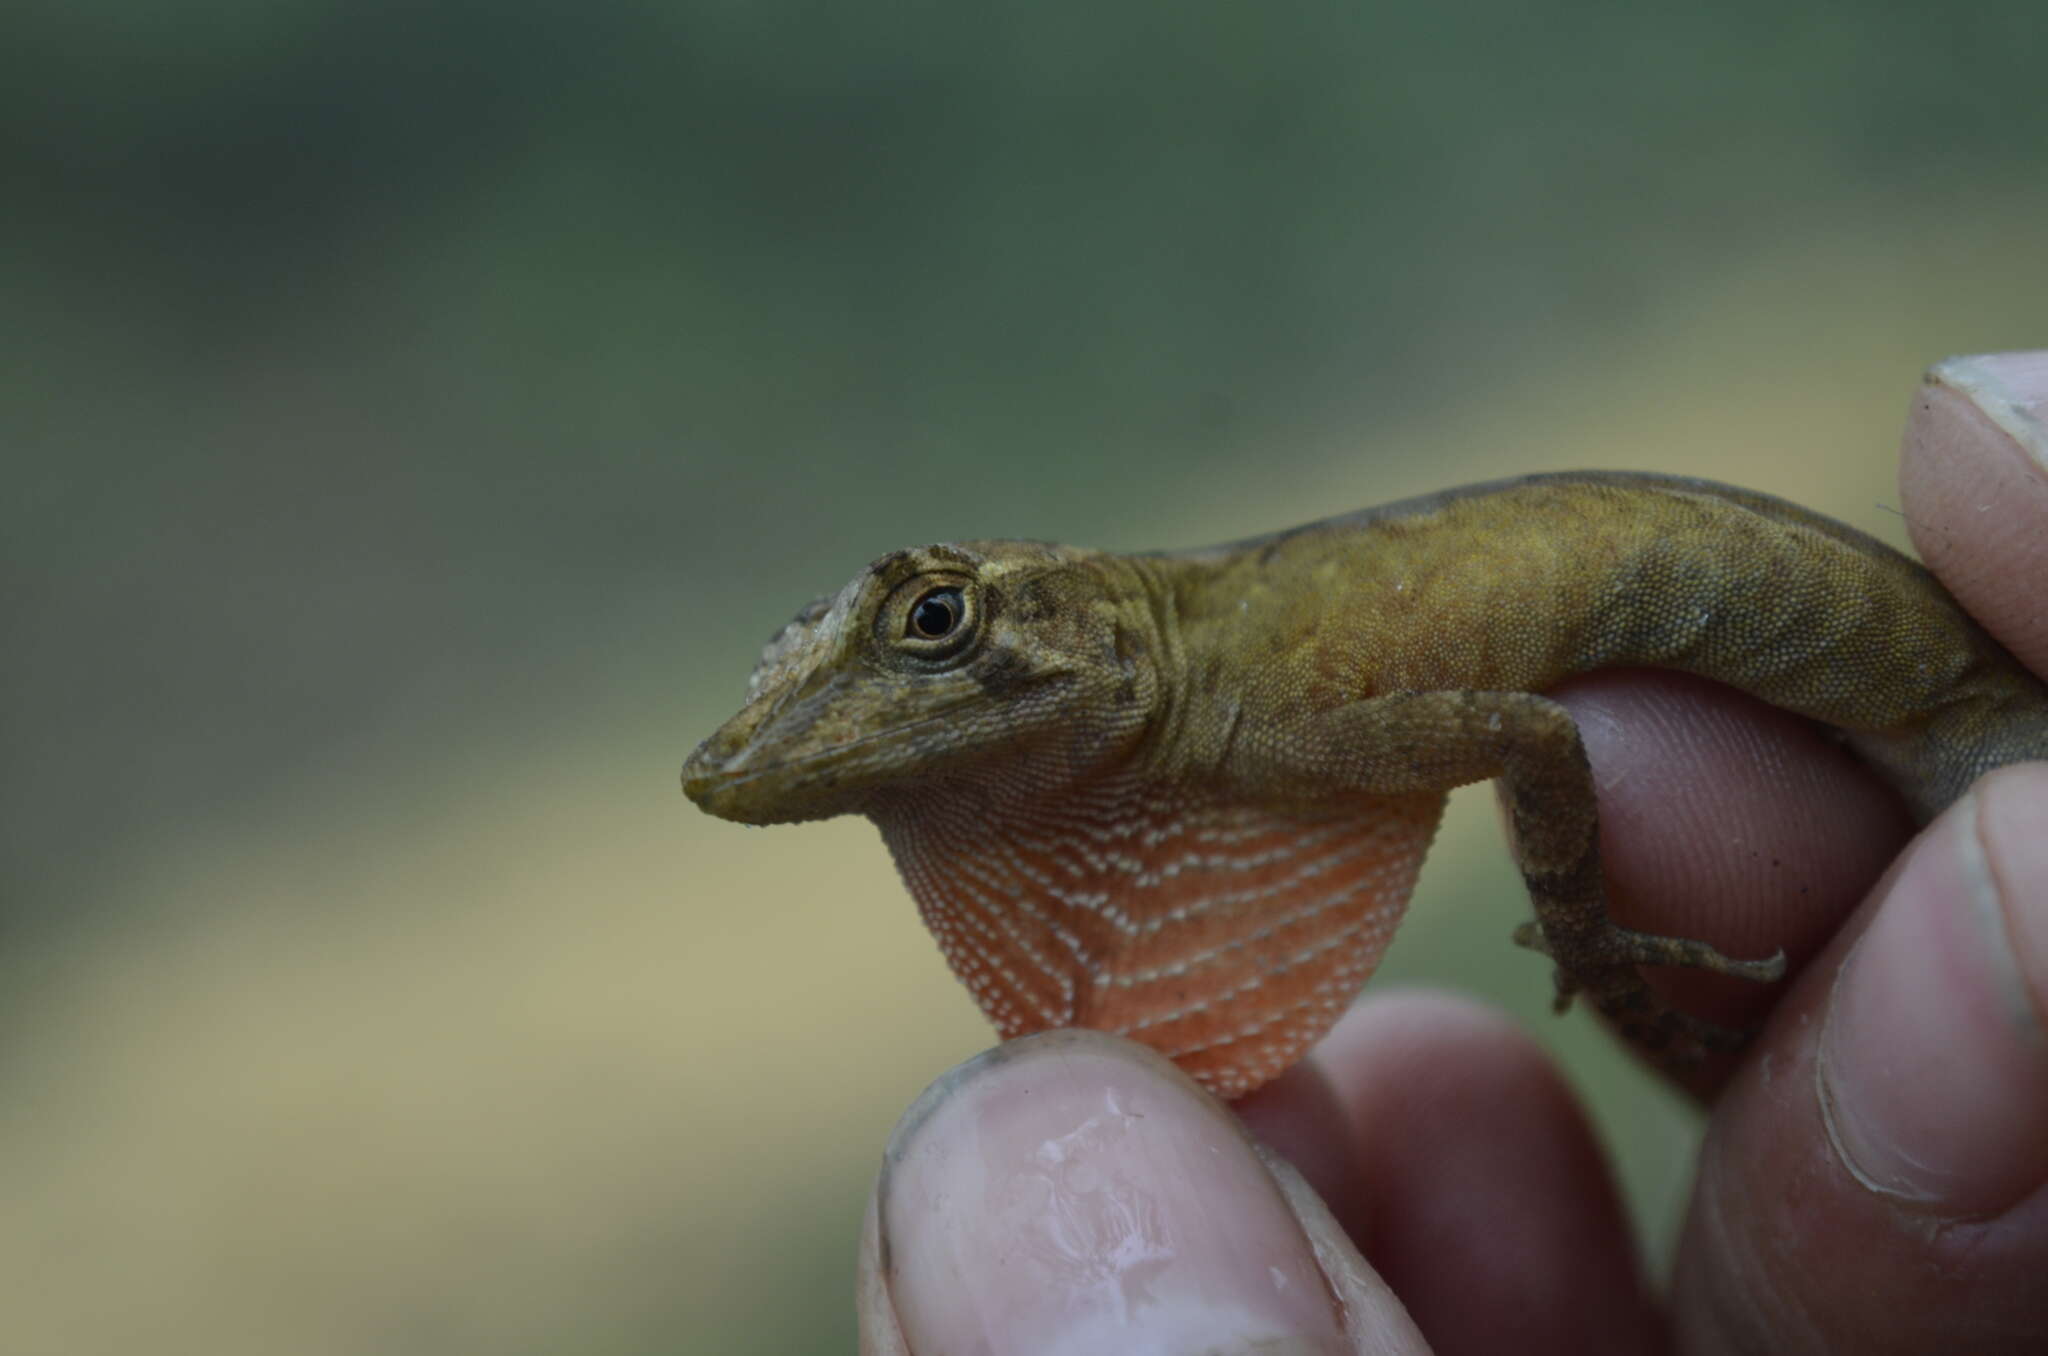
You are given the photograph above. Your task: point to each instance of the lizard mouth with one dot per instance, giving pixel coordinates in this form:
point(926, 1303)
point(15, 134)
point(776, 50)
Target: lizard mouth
point(801, 784)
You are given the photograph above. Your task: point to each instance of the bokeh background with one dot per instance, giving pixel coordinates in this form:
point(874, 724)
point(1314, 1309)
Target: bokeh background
point(417, 415)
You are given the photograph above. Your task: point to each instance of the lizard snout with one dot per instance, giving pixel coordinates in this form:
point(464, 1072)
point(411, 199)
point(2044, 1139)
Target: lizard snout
point(700, 780)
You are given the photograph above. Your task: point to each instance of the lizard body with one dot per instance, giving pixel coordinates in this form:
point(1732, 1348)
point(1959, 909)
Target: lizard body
point(1184, 795)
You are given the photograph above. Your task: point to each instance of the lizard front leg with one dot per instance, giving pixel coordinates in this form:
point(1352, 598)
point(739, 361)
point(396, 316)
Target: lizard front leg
point(1436, 740)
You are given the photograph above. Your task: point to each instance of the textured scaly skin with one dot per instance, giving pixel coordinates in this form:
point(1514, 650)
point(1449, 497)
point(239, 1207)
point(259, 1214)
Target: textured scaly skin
point(1184, 796)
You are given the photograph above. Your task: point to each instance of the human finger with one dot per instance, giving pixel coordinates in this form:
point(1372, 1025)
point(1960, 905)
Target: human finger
point(1455, 1156)
point(1973, 476)
point(1729, 820)
point(1876, 1177)
point(1075, 1192)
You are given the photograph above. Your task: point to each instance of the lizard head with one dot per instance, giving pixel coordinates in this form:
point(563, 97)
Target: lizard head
point(930, 666)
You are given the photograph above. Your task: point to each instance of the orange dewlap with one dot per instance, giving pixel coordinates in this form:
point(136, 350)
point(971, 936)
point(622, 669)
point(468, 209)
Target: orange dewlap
point(1227, 936)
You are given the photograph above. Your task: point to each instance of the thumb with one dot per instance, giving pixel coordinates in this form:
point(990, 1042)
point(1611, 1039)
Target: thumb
point(1076, 1193)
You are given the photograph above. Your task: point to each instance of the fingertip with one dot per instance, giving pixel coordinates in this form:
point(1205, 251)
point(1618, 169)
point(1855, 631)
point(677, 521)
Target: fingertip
point(2010, 389)
point(1876, 1177)
point(1973, 478)
point(1932, 1065)
point(1076, 1192)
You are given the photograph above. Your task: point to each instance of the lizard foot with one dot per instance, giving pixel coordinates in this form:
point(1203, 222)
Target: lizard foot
point(1623, 946)
point(1620, 994)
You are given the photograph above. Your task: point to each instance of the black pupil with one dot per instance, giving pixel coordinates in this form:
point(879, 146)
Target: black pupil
point(936, 614)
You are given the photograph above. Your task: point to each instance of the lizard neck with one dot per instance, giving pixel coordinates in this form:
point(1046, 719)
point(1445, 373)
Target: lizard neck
point(1152, 643)
point(1193, 705)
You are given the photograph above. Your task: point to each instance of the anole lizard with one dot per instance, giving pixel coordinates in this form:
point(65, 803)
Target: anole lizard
point(1184, 796)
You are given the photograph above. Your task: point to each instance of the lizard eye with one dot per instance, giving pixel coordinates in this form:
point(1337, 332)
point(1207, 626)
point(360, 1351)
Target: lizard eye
point(936, 615)
point(931, 620)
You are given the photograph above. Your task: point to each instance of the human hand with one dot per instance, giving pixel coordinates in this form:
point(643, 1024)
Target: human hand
point(1875, 1173)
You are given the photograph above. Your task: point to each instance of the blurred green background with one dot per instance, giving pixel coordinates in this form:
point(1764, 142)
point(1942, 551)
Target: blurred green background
point(417, 415)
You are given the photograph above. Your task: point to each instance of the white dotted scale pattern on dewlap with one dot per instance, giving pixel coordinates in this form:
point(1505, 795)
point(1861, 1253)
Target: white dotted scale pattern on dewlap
point(1227, 936)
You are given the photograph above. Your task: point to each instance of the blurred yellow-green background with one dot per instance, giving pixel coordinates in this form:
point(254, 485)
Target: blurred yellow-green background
point(415, 416)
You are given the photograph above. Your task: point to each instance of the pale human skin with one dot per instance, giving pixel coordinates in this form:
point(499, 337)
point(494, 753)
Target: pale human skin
point(1875, 1174)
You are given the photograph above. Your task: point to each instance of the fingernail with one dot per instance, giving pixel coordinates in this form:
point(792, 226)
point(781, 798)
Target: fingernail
point(1073, 1194)
point(2011, 388)
point(1933, 1063)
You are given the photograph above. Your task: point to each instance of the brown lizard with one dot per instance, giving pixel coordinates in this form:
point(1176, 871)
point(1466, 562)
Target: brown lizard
point(1183, 796)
